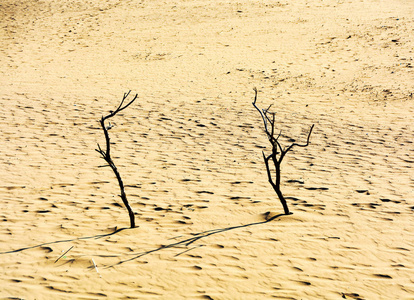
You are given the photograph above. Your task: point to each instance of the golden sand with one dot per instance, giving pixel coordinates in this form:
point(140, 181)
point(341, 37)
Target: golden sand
point(189, 149)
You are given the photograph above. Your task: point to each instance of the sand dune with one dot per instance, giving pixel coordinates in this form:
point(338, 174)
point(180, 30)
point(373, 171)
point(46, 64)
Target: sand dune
point(189, 150)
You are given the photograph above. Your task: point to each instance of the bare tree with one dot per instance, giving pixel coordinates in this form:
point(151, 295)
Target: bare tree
point(106, 155)
point(278, 153)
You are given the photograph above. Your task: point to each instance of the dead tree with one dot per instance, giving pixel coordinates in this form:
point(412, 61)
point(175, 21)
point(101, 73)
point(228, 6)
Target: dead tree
point(106, 155)
point(278, 153)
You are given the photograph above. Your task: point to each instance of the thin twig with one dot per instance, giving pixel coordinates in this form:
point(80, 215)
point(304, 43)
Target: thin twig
point(96, 268)
point(106, 155)
point(63, 254)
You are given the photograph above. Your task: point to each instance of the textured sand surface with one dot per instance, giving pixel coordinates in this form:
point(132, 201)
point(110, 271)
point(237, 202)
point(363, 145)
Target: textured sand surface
point(189, 149)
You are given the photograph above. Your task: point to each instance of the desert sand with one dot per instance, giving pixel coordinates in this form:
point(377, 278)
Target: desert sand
point(189, 150)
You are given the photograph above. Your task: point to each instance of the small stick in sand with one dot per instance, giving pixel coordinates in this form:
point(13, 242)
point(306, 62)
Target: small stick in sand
point(96, 268)
point(63, 254)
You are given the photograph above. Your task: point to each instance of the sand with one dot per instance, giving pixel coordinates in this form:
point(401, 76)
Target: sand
point(189, 150)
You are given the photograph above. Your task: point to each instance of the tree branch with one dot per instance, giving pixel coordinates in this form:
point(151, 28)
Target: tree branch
point(295, 144)
point(276, 147)
point(106, 155)
point(266, 160)
point(262, 114)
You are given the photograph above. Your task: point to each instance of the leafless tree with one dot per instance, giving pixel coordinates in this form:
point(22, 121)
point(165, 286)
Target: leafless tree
point(278, 153)
point(106, 155)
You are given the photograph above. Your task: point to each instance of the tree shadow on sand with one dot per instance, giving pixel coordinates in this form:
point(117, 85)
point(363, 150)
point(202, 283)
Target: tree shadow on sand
point(185, 242)
point(98, 236)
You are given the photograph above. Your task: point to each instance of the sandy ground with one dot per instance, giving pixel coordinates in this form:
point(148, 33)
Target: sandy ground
point(189, 149)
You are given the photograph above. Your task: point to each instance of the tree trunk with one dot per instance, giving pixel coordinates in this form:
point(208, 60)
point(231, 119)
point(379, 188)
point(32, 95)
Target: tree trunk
point(107, 155)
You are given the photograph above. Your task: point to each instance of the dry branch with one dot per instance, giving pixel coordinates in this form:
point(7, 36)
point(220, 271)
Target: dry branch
point(106, 155)
point(278, 153)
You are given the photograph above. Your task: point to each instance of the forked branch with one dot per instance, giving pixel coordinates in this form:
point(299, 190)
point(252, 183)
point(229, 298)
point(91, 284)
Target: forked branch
point(106, 155)
point(278, 152)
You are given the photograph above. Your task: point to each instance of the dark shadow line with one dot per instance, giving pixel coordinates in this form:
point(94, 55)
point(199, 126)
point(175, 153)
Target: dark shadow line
point(68, 240)
point(196, 237)
point(186, 242)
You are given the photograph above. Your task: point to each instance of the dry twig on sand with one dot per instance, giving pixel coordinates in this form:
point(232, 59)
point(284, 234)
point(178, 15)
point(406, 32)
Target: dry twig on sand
point(106, 155)
point(278, 153)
